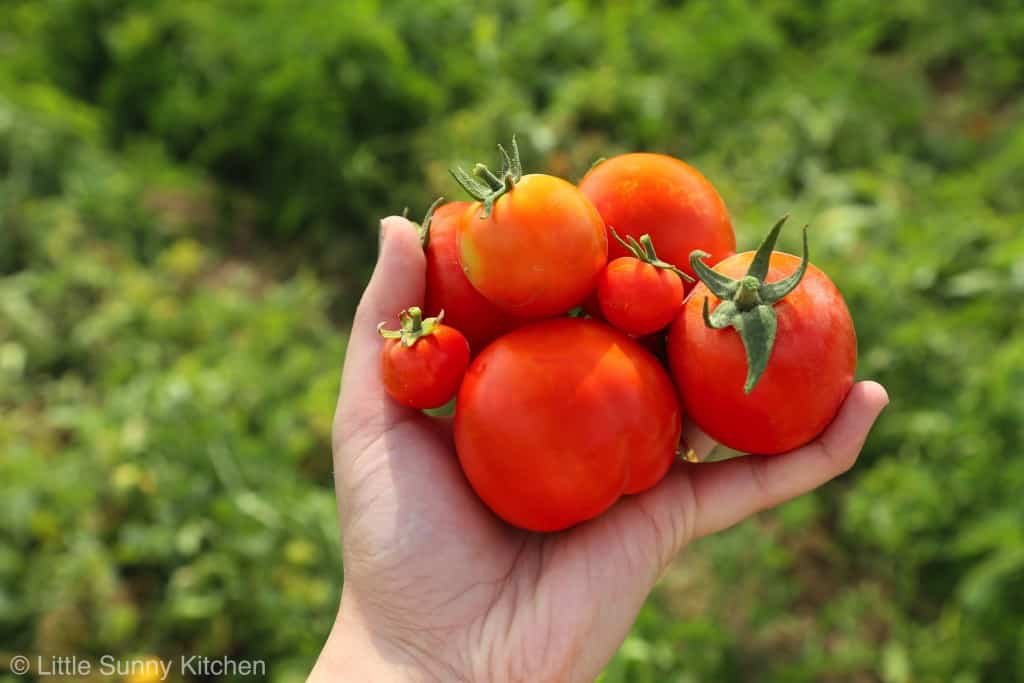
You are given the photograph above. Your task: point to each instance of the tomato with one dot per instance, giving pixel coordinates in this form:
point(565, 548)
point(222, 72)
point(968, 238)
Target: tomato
point(449, 290)
point(670, 200)
point(556, 420)
point(640, 294)
point(423, 363)
point(532, 245)
point(779, 385)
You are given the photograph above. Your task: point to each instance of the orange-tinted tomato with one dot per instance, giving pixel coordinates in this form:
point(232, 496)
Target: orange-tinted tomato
point(670, 200)
point(809, 373)
point(637, 297)
point(540, 250)
point(464, 308)
point(558, 419)
point(428, 373)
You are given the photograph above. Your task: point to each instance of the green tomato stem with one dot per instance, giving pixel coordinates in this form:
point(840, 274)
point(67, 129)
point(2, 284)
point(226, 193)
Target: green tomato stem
point(413, 326)
point(747, 303)
point(423, 229)
point(644, 251)
point(487, 187)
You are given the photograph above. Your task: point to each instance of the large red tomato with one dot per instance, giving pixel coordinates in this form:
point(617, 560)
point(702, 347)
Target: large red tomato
point(781, 388)
point(666, 198)
point(448, 289)
point(556, 420)
point(532, 245)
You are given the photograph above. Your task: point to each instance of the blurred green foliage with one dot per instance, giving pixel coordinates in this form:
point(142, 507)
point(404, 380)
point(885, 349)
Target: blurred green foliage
point(188, 193)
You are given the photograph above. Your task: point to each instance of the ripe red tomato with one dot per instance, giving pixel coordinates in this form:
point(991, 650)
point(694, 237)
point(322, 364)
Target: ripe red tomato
point(640, 294)
point(670, 200)
point(423, 363)
point(464, 308)
point(558, 419)
point(532, 245)
point(803, 379)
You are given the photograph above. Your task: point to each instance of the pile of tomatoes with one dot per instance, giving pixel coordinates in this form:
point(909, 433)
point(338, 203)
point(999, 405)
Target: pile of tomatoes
point(576, 325)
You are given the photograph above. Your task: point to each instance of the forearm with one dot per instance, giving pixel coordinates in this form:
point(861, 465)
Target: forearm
point(350, 655)
point(353, 652)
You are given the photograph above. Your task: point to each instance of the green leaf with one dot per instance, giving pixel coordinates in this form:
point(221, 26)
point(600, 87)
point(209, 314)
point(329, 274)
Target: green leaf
point(722, 286)
point(775, 291)
point(757, 330)
point(759, 266)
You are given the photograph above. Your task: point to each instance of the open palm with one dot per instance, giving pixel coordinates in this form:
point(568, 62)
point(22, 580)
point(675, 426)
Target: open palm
point(438, 588)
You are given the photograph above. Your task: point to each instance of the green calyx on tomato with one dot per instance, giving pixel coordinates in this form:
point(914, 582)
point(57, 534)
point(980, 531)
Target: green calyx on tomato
point(644, 251)
point(746, 304)
point(487, 186)
point(423, 228)
point(414, 326)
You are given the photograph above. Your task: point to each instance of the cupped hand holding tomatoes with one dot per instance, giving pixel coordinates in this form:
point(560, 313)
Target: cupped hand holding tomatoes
point(422, 549)
point(531, 245)
point(558, 419)
point(764, 351)
point(657, 194)
point(640, 294)
point(422, 363)
point(448, 290)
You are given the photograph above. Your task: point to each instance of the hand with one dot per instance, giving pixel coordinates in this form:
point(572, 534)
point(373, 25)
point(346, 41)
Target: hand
point(438, 588)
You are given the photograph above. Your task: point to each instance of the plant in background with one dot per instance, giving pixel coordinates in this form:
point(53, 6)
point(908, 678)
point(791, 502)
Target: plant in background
point(896, 131)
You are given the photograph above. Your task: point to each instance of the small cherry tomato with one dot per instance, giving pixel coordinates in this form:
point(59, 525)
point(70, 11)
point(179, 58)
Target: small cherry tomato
point(532, 245)
point(640, 294)
point(652, 193)
point(558, 419)
point(422, 364)
point(464, 308)
point(775, 380)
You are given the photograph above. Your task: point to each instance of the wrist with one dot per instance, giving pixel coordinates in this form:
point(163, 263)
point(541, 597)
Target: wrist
point(355, 651)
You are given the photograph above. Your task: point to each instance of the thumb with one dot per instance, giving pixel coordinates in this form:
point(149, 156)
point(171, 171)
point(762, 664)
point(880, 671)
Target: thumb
point(397, 283)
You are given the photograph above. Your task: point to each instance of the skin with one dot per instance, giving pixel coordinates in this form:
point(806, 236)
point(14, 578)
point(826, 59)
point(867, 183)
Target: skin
point(637, 297)
point(539, 252)
point(593, 416)
point(448, 289)
point(426, 374)
point(436, 588)
point(657, 194)
point(808, 376)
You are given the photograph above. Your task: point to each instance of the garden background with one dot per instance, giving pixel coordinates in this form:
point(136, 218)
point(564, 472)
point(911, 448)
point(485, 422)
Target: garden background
point(189, 193)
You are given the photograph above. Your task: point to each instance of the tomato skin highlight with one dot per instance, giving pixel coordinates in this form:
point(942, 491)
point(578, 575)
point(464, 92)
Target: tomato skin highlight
point(809, 373)
point(638, 298)
point(428, 373)
point(641, 193)
point(558, 419)
point(539, 251)
point(449, 290)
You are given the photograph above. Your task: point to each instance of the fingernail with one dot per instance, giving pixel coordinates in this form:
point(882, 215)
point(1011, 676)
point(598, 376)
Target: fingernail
point(380, 234)
point(886, 393)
